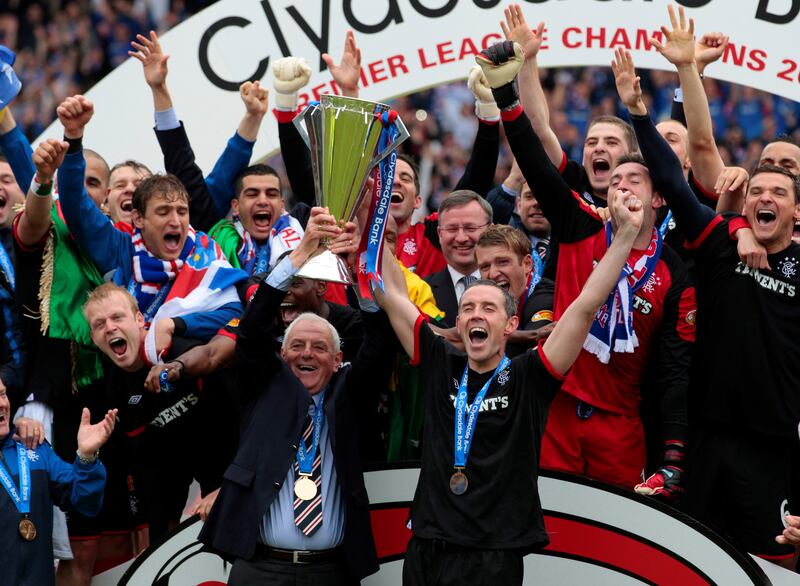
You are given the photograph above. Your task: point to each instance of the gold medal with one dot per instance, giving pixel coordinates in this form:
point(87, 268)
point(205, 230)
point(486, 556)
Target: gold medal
point(458, 482)
point(27, 530)
point(304, 488)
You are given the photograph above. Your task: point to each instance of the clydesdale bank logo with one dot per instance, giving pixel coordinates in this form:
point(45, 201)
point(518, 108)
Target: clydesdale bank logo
point(598, 535)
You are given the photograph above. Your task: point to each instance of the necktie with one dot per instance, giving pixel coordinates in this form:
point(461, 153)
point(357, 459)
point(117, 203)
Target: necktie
point(308, 514)
point(467, 280)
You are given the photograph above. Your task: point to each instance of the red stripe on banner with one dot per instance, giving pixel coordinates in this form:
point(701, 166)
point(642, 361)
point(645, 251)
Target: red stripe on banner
point(613, 549)
point(390, 531)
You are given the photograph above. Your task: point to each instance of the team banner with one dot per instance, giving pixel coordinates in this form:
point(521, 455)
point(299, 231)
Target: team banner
point(407, 45)
point(599, 535)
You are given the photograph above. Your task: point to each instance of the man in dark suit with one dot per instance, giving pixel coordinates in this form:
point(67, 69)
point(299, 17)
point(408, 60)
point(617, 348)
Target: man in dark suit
point(293, 504)
point(463, 217)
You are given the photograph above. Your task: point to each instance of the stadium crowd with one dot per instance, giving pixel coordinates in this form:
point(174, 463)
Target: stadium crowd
point(603, 283)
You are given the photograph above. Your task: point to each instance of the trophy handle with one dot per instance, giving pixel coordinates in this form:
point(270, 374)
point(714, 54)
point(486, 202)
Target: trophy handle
point(402, 134)
point(300, 123)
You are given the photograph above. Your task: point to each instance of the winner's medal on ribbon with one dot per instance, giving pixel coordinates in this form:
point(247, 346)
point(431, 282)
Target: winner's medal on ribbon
point(465, 420)
point(27, 530)
point(304, 487)
point(22, 497)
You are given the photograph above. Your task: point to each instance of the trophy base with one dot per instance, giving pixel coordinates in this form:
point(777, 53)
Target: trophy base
point(325, 267)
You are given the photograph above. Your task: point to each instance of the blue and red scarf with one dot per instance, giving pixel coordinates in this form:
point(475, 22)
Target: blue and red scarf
point(612, 328)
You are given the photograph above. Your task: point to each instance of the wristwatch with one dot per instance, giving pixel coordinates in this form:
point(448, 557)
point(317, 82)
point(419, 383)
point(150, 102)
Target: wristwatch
point(90, 460)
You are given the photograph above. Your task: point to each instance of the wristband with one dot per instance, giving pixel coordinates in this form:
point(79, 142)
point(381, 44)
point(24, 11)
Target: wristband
point(90, 460)
point(75, 144)
point(41, 189)
point(183, 366)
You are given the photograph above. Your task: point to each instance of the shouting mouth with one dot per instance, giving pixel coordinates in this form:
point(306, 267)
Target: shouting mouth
point(262, 220)
point(118, 346)
point(126, 205)
point(172, 241)
point(765, 217)
point(397, 197)
point(601, 167)
point(478, 335)
point(289, 312)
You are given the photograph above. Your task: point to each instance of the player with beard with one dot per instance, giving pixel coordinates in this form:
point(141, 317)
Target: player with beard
point(464, 529)
point(149, 261)
point(168, 431)
point(594, 426)
point(744, 409)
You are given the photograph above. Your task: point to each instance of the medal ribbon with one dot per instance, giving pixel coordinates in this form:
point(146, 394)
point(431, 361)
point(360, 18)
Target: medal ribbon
point(533, 279)
point(7, 266)
point(664, 228)
point(21, 497)
point(305, 459)
point(466, 420)
point(382, 196)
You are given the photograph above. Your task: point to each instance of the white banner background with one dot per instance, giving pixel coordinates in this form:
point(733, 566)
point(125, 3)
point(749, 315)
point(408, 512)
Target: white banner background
point(410, 48)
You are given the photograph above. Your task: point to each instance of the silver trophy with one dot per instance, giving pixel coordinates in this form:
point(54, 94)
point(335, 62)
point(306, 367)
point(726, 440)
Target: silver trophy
point(343, 136)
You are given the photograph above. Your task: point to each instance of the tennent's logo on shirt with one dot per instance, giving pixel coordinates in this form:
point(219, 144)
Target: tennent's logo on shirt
point(766, 281)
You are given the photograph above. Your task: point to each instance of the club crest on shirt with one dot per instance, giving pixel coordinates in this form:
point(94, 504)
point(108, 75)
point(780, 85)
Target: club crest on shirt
point(691, 317)
point(788, 267)
point(32, 456)
point(503, 376)
point(652, 283)
point(410, 247)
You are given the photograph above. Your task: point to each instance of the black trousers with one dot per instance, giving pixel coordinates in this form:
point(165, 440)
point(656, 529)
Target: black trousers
point(435, 563)
point(258, 572)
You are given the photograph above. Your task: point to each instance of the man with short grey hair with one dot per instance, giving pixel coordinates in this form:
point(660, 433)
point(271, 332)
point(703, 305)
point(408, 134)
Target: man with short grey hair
point(463, 217)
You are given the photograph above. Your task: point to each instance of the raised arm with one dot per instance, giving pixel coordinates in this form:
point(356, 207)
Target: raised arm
point(16, 148)
point(107, 247)
point(531, 93)
point(679, 49)
point(395, 302)
point(209, 198)
point(479, 172)
point(564, 344)
point(569, 216)
point(662, 163)
point(347, 73)
point(34, 223)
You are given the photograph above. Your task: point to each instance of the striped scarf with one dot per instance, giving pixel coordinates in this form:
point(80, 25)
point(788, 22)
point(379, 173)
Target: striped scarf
point(153, 277)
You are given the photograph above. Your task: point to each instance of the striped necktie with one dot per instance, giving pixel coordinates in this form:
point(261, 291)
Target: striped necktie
point(308, 514)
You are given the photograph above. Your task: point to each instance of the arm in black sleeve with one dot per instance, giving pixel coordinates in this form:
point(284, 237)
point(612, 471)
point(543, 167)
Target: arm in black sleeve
point(179, 160)
point(256, 359)
point(297, 161)
point(675, 344)
point(677, 112)
point(570, 217)
point(502, 203)
point(667, 177)
point(479, 172)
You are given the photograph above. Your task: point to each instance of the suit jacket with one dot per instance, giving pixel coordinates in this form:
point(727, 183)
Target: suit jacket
point(275, 405)
point(445, 294)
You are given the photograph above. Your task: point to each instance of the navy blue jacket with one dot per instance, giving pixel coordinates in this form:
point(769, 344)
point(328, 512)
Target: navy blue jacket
point(275, 405)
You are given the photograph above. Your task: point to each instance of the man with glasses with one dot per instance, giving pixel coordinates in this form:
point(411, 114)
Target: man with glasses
point(463, 217)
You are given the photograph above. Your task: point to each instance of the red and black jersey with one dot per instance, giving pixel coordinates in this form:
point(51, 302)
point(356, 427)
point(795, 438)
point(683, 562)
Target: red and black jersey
point(664, 307)
point(418, 248)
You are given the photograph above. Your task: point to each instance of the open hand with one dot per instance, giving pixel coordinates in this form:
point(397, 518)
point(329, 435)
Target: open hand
point(29, 432)
point(629, 85)
point(516, 29)
point(92, 437)
point(347, 73)
point(154, 61)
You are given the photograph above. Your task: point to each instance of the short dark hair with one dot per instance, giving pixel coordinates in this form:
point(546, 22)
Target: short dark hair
point(409, 160)
point(509, 303)
point(167, 186)
point(627, 129)
point(90, 154)
point(140, 168)
point(781, 171)
point(461, 197)
point(258, 169)
point(632, 158)
point(505, 235)
point(783, 138)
